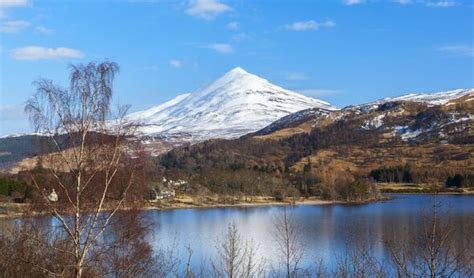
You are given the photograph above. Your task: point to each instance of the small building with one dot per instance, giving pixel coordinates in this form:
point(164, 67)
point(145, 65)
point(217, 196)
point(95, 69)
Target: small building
point(53, 196)
point(166, 189)
point(162, 194)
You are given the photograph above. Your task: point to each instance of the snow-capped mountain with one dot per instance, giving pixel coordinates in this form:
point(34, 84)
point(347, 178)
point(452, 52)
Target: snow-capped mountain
point(411, 117)
point(434, 98)
point(235, 104)
point(429, 99)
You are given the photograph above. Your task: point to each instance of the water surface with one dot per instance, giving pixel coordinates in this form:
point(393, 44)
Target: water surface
point(326, 230)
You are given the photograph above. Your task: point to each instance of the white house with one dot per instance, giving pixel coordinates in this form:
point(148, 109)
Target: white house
point(53, 196)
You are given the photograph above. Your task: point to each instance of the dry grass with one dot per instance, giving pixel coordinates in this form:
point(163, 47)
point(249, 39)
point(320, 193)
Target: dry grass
point(363, 160)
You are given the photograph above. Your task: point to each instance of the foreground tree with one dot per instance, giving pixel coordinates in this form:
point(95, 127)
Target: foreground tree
point(92, 163)
point(438, 249)
point(288, 239)
point(236, 256)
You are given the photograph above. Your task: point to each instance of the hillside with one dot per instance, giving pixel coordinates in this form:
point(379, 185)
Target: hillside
point(16, 148)
point(316, 149)
point(427, 139)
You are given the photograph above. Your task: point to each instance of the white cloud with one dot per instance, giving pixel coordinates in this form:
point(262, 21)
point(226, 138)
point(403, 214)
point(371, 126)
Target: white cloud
point(233, 25)
point(13, 26)
point(458, 50)
point(441, 4)
point(41, 53)
point(207, 9)
point(7, 4)
point(309, 25)
point(352, 2)
point(318, 92)
point(222, 48)
point(295, 76)
point(403, 2)
point(13, 3)
point(43, 30)
point(176, 63)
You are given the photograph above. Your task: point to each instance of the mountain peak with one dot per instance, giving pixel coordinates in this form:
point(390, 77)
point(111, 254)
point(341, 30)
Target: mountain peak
point(237, 79)
point(237, 70)
point(235, 104)
point(235, 74)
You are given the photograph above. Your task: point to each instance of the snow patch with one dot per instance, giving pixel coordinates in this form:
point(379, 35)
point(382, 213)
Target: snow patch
point(374, 123)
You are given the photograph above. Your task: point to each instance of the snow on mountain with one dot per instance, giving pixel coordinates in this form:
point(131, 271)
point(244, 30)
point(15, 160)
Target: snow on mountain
point(433, 98)
point(445, 121)
point(294, 119)
point(235, 104)
point(430, 99)
point(373, 114)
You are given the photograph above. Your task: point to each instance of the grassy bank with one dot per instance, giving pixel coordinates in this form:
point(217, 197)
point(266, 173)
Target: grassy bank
point(412, 188)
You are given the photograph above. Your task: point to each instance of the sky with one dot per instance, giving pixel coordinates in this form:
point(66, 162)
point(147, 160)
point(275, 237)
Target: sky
point(341, 51)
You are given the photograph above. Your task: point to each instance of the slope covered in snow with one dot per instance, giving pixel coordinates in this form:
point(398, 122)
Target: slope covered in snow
point(411, 117)
point(235, 104)
point(435, 98)
point(431, 98)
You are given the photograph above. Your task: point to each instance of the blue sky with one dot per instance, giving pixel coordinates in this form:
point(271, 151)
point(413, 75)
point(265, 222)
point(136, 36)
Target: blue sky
point(341, 51)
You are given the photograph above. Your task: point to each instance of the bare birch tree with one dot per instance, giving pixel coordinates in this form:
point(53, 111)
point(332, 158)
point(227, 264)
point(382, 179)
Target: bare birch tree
point(358, 258)
point(237, 257)
point(432, 251)
point(91, 161)
point(288, 239)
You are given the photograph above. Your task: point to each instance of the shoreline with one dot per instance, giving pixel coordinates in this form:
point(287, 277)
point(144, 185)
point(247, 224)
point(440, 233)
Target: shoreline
point(431, 193)
point(177, 204)
point(245, 205)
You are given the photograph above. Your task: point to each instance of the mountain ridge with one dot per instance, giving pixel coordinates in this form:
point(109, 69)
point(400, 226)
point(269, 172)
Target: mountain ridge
point(400, 114)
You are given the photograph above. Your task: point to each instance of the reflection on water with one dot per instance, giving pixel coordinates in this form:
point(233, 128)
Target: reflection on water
point(327, 230)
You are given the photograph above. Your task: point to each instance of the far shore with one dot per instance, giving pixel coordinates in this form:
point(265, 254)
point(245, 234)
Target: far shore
point(412, 188)
point(15, 210)
point(180, 205)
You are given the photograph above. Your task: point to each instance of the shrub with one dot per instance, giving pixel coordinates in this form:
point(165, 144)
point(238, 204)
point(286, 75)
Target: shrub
point(8, 186)
point(459, 180)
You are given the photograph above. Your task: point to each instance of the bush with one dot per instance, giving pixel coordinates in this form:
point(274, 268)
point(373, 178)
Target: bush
point(8, 186)
point(355, 191)
point(455, 181)
point(459, 180)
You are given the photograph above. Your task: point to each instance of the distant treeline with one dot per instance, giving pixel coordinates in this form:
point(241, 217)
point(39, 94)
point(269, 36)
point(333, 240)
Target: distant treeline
point(392, 174)
point(405, 174)
point(458, 180)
